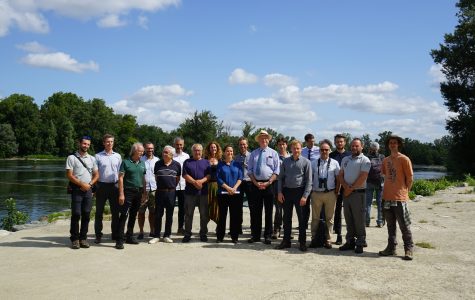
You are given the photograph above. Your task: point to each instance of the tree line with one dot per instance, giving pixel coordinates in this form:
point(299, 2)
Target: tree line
point(53, 128)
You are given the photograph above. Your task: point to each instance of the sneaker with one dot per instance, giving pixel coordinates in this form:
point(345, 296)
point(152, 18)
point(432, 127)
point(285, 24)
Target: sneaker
point(347, 246)
point(167, 240)
point(186, 239)
point(83, 244)
point(75, 245)
point(140, 236)
point(180, 231)
point(131, 240)
point(339, 240)
point(204, 238)
point(154, 241)
point(359, 249)
point(407, 255)
point(119, 245)
point(388, 251)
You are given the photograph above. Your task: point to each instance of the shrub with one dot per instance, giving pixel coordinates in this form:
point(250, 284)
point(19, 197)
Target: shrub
point(470, 180)
point(13, 217)
point(412, 195)
point(423, 187)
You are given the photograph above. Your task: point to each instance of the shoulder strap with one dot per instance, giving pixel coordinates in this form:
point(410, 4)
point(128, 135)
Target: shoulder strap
point(82, 162)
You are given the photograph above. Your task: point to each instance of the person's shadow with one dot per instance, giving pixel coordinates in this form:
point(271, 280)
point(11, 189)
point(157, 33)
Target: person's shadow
point(39, 242)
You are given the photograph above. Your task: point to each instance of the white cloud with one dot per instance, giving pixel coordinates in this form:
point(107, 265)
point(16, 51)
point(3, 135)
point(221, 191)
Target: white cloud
point(348, 126)
point(240, 76)
point(27, 15)
point(277, 79)
point(435, 72)
point(157, 105)
point(33, 47)
point(58, 60)
point(111, 21)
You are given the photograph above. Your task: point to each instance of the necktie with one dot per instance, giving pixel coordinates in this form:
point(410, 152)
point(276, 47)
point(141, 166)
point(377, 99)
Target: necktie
point(259, 162)
point(309, 153)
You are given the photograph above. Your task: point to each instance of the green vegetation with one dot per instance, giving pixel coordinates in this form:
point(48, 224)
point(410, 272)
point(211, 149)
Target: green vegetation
point(13, 217)
point(470, 180)
point(53, 217)
point(423, 221)
point(425, 245)
point(43, 156)
point(425, 187)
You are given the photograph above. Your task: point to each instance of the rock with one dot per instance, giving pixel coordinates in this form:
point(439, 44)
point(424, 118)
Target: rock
point(33, 224)
point(418, 198)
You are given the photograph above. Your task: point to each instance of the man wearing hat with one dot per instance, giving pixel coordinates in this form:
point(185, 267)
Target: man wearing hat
point(263, 169)
point(398, 178)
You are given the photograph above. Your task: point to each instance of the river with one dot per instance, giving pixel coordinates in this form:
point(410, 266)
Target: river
point(39, 187)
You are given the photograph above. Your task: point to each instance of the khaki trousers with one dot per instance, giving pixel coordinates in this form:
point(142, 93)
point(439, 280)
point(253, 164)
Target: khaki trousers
point(328, 200)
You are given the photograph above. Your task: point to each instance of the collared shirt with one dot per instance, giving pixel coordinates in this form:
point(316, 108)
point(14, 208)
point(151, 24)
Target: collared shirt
point(328, 169)
point(312, 154)
point(133, 173)
point(79, 171)
point(353, 166)
point(149, 176)
point(296, 173)
point(229, 174)
point(166, 175)
point(269, 164)
point(108, 165)
point(180, 158)
point(339, 156)
point(197, 169)
point(243, 160)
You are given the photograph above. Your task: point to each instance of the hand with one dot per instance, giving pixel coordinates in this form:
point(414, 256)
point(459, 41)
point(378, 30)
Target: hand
point(280, 198)
point(144, 198)
point(303, 201)
point(347, 191)
point(84, 186)
point(121, 199)
point(198, 185)
point(262, 185)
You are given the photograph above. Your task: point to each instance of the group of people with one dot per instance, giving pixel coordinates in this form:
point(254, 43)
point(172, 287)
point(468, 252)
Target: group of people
point(311, 178)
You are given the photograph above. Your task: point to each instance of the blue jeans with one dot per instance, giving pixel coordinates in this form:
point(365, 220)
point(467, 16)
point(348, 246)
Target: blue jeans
point(370, 190)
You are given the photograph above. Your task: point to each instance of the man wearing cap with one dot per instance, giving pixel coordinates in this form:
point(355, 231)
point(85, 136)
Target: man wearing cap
point(263, 170)
point(398, 178)
point(353, 173)
point(81, 170)
point(374, 183)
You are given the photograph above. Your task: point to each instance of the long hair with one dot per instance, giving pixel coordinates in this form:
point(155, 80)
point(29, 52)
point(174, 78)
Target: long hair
point(219, 152)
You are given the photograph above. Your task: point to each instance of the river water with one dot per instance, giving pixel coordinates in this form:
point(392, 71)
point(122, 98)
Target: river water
point(39, 187)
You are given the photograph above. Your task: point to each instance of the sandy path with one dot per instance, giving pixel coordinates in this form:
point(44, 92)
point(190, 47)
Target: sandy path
point(38, 262)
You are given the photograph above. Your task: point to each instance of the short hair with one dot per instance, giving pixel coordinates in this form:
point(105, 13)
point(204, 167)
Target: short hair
point(195, 146)
point(134, 147)
point(107, 136)
point(243, 138)
point(84, 137)
point(178, 139)
point(295, 142)
point(282, 140)
point(147, 143)
point(357, 139)
point(171, 149)
point(339, 136)
point(326, 141)
point(308, 136)
point(374, 145)
point(219, 152)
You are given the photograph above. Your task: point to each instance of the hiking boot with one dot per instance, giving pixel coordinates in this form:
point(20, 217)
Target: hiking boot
point(347, 246)
point(388, 251)
point(339, 240)
point(75, 245)
point(83, 244)
point(407, 255)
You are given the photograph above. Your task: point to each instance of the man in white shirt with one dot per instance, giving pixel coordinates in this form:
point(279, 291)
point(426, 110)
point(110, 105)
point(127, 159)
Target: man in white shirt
point(180, 157)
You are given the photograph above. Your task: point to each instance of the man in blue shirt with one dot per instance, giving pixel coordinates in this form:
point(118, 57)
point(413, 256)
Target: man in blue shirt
point(263, 170)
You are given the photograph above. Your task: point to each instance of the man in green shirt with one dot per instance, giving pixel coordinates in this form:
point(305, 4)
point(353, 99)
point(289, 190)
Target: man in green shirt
point(132, 191)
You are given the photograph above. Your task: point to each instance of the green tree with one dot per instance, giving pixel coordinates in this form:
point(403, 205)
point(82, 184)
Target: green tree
point(22, 113)
point(154, 134)
point(49, 135)
point(457, 58)
point(8, 144)
point(125, 136)
point(201, 127)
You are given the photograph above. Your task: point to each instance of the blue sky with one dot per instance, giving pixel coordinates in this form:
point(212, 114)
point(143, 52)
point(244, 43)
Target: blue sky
point(296, 66)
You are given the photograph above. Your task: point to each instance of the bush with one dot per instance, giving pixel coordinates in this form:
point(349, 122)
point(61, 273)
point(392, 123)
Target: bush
point(13, 217)
point(441, 184)
point(423, 187)
point(470, 180)
point(412, 195)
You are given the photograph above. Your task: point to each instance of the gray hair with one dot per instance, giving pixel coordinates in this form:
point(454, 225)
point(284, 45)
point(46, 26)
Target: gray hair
point(170, 149)
point(374, 145)
point(134, 148)
point(178, 139)
point(197, 146)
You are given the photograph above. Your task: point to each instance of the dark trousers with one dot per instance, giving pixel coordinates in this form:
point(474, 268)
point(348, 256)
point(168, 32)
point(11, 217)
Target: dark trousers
point(393, 214)
point(245, 189)
point(234, 203)
point(129, 208)
point(278, 210)
point(355, 215)
point(292, 198)
point(81, 205)
point(164, 201)
point(180, 194)
point(261, 199)
point(107, 192)
point(337, 218)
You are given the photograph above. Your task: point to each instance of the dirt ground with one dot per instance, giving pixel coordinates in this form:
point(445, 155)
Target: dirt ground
point(39, 263)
